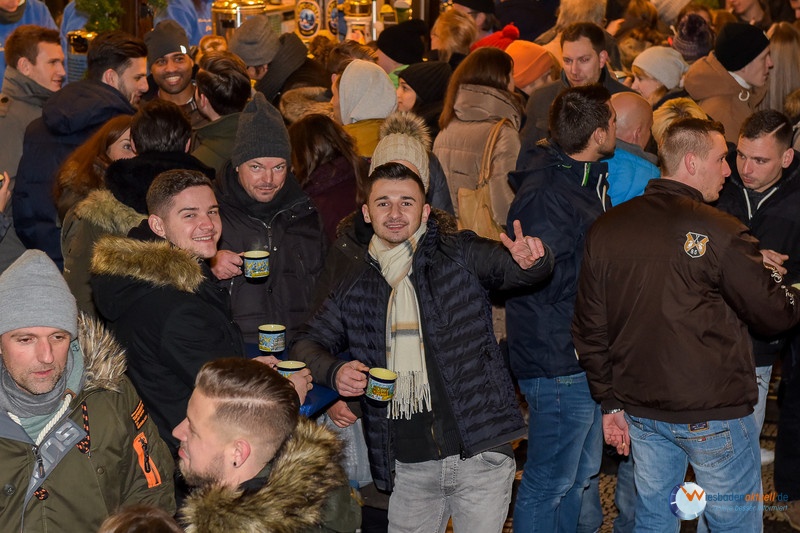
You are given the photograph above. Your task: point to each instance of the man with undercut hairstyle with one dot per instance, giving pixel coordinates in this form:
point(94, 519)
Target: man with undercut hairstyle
point(116, 78)
point(667, 290)
point(256, 465)
point(763, 192)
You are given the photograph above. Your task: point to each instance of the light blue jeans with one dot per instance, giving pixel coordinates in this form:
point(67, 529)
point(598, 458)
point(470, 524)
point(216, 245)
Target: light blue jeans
point(725, 459)
point(475, 492)
point(565, 441)
point(763, 375)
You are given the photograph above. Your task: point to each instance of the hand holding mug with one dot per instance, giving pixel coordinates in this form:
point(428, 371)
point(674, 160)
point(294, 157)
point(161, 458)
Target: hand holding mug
point(350, 380)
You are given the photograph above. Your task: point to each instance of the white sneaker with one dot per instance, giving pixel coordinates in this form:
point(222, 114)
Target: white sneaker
point(767, 457)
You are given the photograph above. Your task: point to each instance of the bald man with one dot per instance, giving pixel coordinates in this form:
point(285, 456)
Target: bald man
point(631, 167)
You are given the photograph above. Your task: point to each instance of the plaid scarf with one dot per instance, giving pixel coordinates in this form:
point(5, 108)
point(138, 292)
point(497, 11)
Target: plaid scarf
point(405, 353)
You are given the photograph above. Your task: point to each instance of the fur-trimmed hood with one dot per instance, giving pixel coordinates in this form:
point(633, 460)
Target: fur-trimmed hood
point(297, 103)
point(103, 358)
point(299, 483)
point(156, 263)
point(101, 209)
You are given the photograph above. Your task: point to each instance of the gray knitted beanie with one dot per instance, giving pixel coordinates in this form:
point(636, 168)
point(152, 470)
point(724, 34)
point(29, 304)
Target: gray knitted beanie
point(33, 293)
point(261, 133)
point(254, 41)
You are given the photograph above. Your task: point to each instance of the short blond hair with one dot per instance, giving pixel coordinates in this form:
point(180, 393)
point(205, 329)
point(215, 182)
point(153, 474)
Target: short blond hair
point(672, 110)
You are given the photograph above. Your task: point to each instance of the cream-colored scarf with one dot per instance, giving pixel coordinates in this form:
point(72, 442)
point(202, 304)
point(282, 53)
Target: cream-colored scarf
point(405, 352)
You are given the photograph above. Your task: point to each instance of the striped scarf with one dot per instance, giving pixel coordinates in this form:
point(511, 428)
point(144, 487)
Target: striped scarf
point(405, 352)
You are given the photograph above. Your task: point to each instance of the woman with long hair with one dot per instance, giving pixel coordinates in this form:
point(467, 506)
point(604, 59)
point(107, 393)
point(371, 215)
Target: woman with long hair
point(479, 95)
point(784, 48)
point(328, 168)
point(84, 170)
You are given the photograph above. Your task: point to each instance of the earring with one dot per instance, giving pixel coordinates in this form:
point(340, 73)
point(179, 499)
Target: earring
point(234, 463)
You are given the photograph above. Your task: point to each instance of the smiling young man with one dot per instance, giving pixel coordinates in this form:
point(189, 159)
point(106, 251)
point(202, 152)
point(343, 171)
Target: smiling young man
point(156, 292)
point(453, 414)
point(75, 441)
point(660, 328)
point(264, 208)
point(172, 68)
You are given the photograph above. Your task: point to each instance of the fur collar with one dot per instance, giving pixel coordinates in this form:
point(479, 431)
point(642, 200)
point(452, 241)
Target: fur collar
point(300, 481)
point(297, 103)
point(109, 214)
point(154, 262)
point(103, 358)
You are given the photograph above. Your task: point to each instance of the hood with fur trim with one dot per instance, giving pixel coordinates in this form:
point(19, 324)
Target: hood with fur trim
point(297, 103)
point(299, 482)
point(103, 358)
point(103, 210)
point(156, 263)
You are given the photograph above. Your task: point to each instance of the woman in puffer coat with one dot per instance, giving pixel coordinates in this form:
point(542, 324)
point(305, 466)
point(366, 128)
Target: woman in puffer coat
point(479, 95)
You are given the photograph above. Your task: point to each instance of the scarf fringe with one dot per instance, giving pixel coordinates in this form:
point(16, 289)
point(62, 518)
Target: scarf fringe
point(412, 394)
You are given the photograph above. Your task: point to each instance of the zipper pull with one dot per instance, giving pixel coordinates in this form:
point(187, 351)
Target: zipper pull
point(39, 462)
point(146, 455)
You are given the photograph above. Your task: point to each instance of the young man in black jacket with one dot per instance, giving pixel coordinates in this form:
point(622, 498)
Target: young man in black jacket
point(418, 305)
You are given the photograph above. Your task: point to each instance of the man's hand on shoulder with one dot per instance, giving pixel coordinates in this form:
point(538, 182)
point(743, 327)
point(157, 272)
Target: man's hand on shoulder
point(775, 260)
point(525, 250)
point(226, 264)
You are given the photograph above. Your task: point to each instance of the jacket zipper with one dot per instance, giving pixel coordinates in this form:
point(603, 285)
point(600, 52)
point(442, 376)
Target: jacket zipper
point(39, 462)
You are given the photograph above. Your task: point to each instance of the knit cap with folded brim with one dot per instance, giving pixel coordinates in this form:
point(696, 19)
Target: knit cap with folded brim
point(365, 92)
point(531, 62)
point(168, 37)
point(254, 41)
point(33, 293)
point(663, 64)
point(404, 137)
point(261, 133)
point(738, 44)
point(693, 38)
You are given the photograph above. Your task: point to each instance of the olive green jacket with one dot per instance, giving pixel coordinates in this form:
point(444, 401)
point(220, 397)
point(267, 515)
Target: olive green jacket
point(104, 454)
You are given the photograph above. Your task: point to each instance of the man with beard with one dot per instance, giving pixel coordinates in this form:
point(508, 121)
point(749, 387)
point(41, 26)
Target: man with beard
point(255, 463)
point(172, 68)
point(75, 441)
point(561, 189)
point(116, 78)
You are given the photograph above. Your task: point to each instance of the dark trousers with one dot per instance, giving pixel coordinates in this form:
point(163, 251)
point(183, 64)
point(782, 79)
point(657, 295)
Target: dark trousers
point(787, 452)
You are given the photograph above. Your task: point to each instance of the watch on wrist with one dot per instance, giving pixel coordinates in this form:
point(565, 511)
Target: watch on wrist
point(611, 411)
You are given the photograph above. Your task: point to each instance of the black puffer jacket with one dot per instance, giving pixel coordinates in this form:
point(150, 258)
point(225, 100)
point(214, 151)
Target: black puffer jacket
point(451, 275)
point(290, 228)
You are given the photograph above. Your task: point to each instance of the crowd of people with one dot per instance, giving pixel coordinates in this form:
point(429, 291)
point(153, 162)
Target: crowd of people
point(572, 226)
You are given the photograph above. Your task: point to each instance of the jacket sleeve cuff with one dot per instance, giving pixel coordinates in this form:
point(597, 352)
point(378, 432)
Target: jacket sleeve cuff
point(613, 403)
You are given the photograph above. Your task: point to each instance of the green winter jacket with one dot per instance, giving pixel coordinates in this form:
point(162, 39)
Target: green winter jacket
point(103, 455)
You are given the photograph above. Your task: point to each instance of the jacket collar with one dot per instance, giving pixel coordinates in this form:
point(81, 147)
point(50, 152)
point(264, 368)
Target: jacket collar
point(20, 87)
point(112, 216)
point(156, 262)
point(669, 186)
point(287, 496)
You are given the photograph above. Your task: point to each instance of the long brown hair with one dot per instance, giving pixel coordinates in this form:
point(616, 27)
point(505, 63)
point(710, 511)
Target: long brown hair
point(486, 66)
point(84, 170)
point(316, 139)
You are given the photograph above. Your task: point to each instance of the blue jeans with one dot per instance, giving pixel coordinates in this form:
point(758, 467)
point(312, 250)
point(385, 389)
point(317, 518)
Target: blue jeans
point(564, 450)
point(725, 459)
point(475, 492)
point(625, 497)
point(763, 375)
